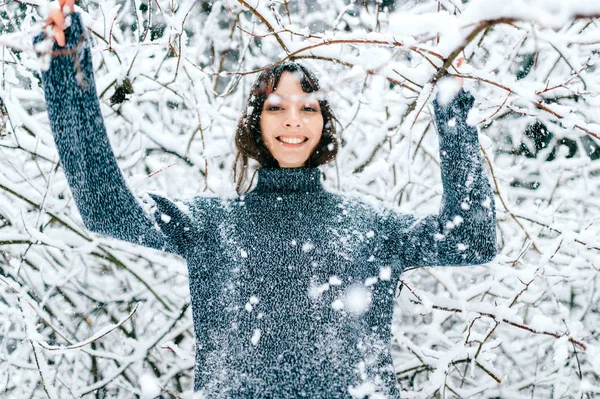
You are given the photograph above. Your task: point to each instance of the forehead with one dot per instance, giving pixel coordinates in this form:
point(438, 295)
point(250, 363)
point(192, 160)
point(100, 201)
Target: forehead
point(290, 82)
point(289, 88)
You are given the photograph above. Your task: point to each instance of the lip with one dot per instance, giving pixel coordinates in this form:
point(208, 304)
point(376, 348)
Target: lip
point(288, 145)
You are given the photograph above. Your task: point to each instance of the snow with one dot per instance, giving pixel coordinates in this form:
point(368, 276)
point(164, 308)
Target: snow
point(315, 291)
point(371, 281)
point(149, 386)
point(385, 273)
point(486, 202)
point(561, 351)
point(358, 299)
point(307, 247)
point(255, 336)
point(365, 389)
point(334, 280)
point(447, 89)
point(338, 304)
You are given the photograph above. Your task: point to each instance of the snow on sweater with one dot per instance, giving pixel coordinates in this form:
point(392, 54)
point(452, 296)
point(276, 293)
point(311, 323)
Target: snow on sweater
point(292, 286)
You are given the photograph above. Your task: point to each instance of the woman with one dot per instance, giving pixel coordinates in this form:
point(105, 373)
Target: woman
point(292, 286)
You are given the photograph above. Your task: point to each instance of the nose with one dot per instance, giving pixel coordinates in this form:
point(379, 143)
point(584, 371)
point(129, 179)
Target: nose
point(293, 119)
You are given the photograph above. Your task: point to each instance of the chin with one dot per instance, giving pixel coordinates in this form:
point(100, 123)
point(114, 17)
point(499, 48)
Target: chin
point(298, 163)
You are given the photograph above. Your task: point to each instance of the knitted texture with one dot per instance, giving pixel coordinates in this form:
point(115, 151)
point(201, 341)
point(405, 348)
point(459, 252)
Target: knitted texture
point(292, 286)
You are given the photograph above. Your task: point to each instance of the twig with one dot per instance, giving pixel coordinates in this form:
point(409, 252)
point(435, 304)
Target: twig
point(499, 319)
point(95, 337)
point(489, 162)
point(536, 103)
point(267, 24)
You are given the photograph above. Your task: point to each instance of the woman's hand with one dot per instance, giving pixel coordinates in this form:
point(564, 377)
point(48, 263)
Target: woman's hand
point(459, 62)
point(56, 20)
point(448, 87)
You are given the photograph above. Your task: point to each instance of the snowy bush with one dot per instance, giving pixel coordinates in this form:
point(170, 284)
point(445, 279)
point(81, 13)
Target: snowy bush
point(83, 314)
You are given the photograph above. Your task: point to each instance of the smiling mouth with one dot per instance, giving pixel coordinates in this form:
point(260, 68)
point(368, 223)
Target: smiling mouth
point(292, 140)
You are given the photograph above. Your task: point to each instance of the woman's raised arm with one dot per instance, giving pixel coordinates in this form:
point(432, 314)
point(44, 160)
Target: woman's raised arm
point(464, 232)
point(103, 199)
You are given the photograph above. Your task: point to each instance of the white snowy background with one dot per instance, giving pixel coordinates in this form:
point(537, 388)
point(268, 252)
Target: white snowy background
point(84, 315)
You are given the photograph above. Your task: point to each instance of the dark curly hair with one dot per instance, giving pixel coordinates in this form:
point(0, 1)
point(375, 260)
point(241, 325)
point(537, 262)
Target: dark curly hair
point(248, 139)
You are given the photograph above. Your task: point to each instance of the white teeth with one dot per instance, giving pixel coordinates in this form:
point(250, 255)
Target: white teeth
point(291, 140)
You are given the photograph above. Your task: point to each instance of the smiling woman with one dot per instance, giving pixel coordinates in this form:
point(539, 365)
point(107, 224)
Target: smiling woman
point(286, 124)
point(292, 286)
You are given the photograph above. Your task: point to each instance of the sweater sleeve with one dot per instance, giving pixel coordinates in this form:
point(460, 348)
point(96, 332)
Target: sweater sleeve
point(464, 231)
point(103, 199)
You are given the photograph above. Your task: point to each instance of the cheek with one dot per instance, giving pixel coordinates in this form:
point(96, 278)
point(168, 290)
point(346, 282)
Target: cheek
point(266, 126)
point(318, 129)
point(264, 129)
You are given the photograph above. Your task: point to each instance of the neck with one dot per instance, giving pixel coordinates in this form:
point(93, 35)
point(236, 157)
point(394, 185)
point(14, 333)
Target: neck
point(287, 180)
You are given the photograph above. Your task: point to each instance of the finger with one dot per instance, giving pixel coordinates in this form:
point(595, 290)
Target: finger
point(59, 36)
point(70, 4)
point(57, 18)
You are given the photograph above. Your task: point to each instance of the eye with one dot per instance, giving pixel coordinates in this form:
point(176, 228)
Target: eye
point(273, 108)
point(309, 109)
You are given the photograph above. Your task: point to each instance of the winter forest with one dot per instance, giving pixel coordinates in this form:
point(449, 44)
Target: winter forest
point(82, 315)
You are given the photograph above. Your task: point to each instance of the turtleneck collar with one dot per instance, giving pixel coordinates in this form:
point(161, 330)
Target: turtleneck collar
point(288, 180)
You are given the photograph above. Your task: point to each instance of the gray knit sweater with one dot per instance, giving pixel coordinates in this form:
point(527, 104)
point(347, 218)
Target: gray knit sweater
point(292, 286)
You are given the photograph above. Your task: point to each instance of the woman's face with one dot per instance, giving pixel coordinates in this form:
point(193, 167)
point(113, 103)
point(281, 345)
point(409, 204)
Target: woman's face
point(291, 123)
